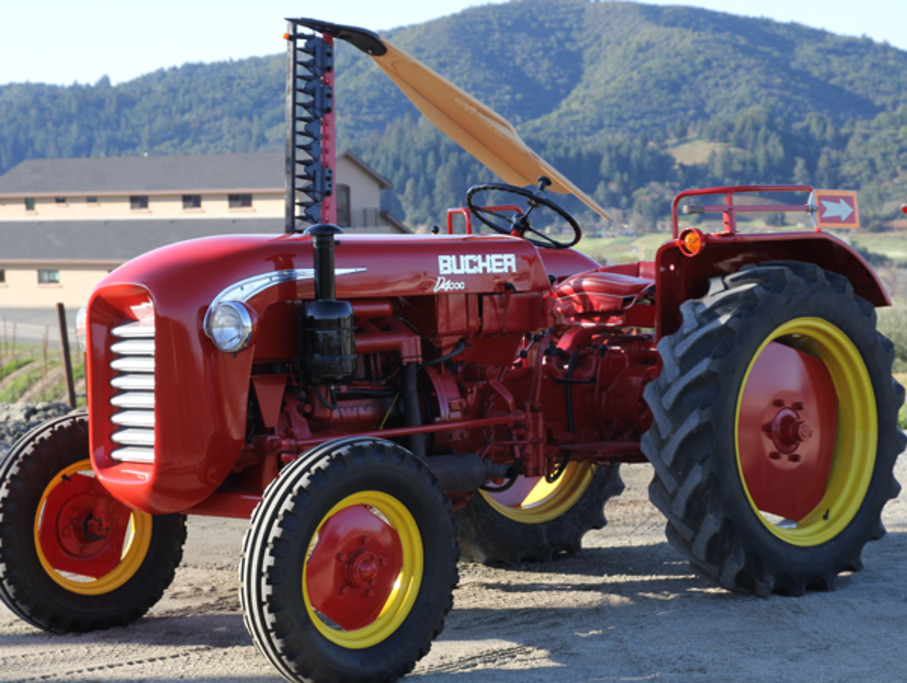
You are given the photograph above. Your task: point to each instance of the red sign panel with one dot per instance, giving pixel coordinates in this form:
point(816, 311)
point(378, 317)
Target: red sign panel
point(836, 209)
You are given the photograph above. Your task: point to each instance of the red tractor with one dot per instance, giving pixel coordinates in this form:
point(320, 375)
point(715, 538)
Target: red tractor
point(377, 404)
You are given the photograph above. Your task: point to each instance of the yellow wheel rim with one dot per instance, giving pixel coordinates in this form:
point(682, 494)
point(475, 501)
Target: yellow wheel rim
point(135, 544)
point(403, 580)
point(533, 500)
point(855, 440)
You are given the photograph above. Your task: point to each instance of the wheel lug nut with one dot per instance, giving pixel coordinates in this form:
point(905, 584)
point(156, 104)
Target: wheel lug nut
point(804, 432)
point(774, 455)
point(342, 590)
point(382, 561)
point(799, 405)
point(367, 592)
point(341, 557)
point(364, 539)
point(778, 403)
point(767, 427)
point(794, 457)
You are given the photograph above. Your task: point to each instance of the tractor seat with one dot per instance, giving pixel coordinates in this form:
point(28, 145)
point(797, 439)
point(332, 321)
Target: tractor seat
point(596, 291)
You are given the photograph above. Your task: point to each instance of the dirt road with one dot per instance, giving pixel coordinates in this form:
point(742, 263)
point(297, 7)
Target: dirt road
point(626, 609)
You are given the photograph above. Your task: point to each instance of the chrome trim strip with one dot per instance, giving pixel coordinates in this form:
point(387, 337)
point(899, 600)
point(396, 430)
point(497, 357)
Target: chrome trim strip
point(249, 287)
point(133, 454)
point(134, 418)
point(134, 347)
point(246, 289)
point(133, 382)
point(136, 330)
point(133, 437)
point(133, 364)
point(134, 399)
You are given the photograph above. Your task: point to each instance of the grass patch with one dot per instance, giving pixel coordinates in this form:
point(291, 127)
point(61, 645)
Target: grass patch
point(890, 244)
point(623, 248)
point(696, 151)
point(18, 386)
point(13, 365)
point(14, 388)
point(43, 362)
point(902, 413)
point(893, 324)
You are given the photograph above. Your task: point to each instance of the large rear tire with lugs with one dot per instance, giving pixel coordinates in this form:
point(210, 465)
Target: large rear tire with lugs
point(72, 557)
point(349, 563)
point(535, 519)
point(775, 429)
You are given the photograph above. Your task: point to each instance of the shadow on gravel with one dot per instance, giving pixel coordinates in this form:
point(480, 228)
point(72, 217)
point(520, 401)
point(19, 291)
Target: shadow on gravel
point(623, 569)
point(209, 630)
point(614, 561)
point(615, 613)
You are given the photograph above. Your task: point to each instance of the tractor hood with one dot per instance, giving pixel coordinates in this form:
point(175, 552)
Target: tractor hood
point(145, 324)
point(477, 128)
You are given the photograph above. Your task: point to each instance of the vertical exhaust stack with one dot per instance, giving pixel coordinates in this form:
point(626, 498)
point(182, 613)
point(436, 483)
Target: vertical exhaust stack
point(328, 345)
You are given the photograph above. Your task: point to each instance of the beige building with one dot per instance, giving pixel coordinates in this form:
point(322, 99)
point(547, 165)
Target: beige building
point(65, 223)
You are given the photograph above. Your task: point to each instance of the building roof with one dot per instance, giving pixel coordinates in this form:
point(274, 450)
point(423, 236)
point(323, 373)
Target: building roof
point(112, 241)
point(179, 173)
point(87, 242)
point(383, 182)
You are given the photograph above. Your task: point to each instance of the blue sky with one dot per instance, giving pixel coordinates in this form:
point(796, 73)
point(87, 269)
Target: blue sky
point(61, 41)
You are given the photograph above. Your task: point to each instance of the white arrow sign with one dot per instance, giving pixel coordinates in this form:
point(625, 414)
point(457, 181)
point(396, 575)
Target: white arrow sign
point(839, 209)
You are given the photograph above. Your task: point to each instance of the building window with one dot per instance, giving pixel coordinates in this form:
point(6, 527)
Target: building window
point(138, 201)
point(29, 203)
point(59, 200)
point(91, 200)
point(344, 214)
point(240, 201)
point(48, 277)
point(192, 201)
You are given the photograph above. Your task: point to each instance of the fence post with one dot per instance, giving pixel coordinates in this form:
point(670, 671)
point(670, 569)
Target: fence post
point(67, 361)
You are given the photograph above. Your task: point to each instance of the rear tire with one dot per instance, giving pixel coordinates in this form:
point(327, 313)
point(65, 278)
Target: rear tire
point(533, 521)
point(63, 568)
point(349, 564)
point(775, 430)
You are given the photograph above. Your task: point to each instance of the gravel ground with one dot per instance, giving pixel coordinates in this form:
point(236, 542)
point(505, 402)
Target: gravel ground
point(627, 608)
point(18, 418)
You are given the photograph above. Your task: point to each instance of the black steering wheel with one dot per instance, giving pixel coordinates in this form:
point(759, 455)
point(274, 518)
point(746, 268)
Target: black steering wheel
point(517, 224)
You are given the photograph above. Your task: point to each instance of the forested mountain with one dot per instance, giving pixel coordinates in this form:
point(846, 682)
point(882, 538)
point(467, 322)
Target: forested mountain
point(632, 101)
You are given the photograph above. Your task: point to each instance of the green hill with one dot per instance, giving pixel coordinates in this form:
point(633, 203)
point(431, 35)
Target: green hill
point(632, 101)
point(595, 68)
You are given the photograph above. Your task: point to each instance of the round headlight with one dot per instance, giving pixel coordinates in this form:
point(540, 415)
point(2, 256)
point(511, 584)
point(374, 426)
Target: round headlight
point(229, 325)
point(82, 328)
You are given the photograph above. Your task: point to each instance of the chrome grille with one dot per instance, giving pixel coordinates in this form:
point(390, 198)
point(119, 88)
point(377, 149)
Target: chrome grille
point(133, 377)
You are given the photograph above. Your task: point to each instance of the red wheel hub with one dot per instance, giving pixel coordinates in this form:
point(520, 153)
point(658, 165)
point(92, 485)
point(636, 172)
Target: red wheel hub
point(82, 528)
point(788, 420)
point(353, 567)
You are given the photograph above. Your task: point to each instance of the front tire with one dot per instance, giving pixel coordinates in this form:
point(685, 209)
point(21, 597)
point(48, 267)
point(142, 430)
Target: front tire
point(349, 564)
point(775, 430)
point(73, 558)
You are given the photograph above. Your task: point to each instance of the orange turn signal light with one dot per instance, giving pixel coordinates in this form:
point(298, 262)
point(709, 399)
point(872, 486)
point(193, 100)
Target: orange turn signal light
point(691, 241)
